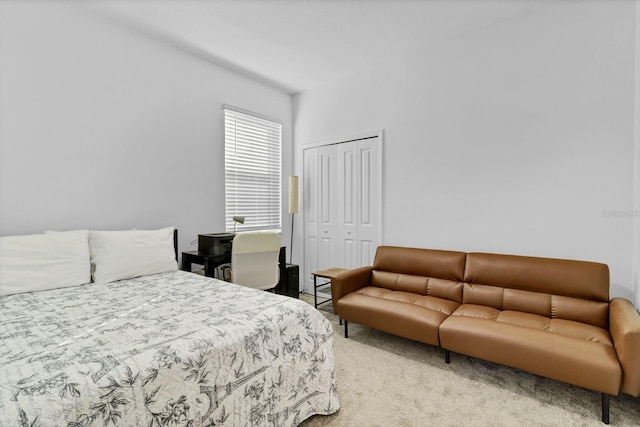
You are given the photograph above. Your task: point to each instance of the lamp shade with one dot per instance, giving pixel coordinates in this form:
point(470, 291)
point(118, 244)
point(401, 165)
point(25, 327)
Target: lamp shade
point(239, 219)
point(293, 194)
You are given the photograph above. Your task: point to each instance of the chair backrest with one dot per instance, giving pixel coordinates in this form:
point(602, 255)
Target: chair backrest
point(254, 259)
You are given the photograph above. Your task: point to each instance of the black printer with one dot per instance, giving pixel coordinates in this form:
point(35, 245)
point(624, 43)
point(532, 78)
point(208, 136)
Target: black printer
point(216, 244)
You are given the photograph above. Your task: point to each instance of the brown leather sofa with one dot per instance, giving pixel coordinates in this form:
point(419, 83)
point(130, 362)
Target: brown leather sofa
point(550, 317)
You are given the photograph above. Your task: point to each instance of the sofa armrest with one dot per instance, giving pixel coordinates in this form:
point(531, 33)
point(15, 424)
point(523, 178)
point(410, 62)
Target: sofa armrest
point(347, 282)
point(624, 324)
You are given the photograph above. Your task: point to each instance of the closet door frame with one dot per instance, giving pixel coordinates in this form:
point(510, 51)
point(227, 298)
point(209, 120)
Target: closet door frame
point(306, 281)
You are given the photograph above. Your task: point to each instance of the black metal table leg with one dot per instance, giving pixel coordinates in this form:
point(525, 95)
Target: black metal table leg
point(605, 408)
point(315, 292)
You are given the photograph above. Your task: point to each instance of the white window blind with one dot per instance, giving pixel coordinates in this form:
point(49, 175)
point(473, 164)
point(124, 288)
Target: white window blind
point(252, 171)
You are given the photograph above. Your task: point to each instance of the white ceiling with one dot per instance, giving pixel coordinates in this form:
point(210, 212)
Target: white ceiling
point(296, 45)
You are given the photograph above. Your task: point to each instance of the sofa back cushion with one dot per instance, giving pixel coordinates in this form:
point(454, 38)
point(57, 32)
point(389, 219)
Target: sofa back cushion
point(556, 288)
point(575, 279)
point(421, 271)
point(421, 262)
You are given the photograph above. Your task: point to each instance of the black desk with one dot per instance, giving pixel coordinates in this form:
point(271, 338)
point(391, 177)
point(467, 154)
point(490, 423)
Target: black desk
point(210, 262)
point(289, 273)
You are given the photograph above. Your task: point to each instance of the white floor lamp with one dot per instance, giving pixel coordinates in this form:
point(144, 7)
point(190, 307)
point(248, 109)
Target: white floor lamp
point(293, 208)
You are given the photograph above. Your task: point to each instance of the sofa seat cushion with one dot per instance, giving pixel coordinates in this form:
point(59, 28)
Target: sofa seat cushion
point(563, 350)
point(581, 331)
point(559, 326)
point(408, 315)
point(434, 303)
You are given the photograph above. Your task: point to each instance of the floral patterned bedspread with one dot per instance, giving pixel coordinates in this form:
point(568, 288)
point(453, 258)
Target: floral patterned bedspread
point(172, 349)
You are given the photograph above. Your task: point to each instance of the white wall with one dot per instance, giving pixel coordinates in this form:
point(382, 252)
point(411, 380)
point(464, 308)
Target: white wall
point(104, 127)
point(516, 138)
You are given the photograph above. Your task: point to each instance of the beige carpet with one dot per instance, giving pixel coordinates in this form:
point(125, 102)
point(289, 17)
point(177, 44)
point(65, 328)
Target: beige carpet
point(384, 380)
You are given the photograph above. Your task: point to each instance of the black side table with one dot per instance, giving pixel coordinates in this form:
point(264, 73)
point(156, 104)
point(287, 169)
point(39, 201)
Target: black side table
point(210, 262)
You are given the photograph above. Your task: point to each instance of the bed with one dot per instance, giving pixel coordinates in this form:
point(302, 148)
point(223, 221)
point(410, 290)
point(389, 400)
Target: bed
point(163, 349)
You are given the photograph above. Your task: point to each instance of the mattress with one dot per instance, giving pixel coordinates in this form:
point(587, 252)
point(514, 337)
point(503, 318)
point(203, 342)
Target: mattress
point(172, 349)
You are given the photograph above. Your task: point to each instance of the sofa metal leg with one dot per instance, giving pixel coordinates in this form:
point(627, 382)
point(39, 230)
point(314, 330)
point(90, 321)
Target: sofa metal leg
point(340, 320)
point(346, 329)
point(447, 356)
point(605, 408)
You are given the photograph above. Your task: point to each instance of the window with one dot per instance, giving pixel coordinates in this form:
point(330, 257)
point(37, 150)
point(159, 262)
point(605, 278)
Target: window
point(252, 170)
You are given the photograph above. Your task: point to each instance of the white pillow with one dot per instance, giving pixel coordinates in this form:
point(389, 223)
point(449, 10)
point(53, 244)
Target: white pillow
point(117, 255)
point(39, 262)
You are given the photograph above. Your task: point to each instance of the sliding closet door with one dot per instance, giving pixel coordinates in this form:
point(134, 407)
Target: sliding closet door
point(310, 211)
point(320, 213)
point(342, 205)
point(327, 207)
point(347, 236)
point(369, 199)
